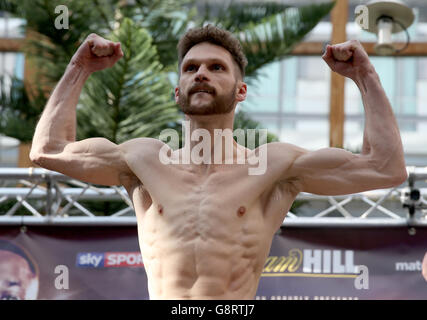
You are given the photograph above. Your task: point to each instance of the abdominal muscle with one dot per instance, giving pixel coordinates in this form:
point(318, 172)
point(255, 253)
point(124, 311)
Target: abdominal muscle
point(202, 251)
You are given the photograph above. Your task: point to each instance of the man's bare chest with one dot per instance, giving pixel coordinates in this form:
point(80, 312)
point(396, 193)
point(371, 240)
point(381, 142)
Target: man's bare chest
point(222, 185)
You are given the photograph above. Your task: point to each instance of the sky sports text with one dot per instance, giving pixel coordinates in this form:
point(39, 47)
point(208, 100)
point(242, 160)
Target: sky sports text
point(109, 259)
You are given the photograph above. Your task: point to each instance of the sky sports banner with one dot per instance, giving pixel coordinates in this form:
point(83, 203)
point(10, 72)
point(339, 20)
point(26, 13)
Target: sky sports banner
point(304, 264)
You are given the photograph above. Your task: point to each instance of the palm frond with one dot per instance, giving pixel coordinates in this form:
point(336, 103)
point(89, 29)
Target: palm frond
point(9, 6)
point(166, 21)
point(274, 37)
point(19, 112)
point(132, 99)
point(235, 16)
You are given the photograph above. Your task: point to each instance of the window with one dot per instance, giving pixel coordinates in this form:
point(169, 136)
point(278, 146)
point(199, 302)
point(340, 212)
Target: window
point(10, 27)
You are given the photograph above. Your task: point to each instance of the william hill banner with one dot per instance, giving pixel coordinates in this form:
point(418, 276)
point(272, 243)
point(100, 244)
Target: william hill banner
point(303, 264)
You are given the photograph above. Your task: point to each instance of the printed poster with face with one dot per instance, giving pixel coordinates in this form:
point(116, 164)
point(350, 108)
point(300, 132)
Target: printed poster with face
point(104, 263)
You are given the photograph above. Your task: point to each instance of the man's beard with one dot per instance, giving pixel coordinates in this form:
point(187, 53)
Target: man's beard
point(219, 104)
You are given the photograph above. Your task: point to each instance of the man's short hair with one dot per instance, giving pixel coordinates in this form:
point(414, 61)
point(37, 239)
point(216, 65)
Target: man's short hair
point(214, 35)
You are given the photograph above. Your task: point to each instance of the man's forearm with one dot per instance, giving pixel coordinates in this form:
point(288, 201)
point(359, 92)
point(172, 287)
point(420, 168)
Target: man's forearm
point(381, 139)
point(57, 125)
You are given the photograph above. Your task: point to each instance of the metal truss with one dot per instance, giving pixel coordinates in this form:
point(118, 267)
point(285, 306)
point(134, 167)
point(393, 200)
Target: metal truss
point(55, 200)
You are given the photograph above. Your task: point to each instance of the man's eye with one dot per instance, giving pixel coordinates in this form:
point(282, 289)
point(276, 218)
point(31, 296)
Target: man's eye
point(190, 68)
point(218, 67)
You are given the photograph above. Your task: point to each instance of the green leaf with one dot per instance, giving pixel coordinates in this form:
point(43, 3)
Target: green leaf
point(274, 37)
point(131, 99)
point(19, 112)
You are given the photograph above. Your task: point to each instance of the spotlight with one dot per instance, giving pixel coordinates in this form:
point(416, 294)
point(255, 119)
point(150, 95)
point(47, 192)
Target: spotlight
point(385, 18)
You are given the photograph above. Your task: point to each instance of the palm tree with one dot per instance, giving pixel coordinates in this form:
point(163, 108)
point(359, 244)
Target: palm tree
point(267, 31)
point(135, 97)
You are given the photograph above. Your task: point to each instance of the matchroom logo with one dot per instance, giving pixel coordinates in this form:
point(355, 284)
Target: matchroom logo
point(409, 266)
point(317, 263)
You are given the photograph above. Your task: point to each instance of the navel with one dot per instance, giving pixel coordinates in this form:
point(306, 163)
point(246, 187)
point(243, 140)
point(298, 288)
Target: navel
point(241, 211)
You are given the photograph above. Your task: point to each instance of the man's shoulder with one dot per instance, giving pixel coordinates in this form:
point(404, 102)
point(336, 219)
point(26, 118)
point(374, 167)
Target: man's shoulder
point(281, 159)
point(283, 150)
point(147, 145)
point(142, 151)
point(140, 154)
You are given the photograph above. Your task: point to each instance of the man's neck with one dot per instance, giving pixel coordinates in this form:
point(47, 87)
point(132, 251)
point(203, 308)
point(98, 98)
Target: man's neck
point(211, 138)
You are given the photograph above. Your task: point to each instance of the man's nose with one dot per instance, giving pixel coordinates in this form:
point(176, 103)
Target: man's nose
point(202, 74)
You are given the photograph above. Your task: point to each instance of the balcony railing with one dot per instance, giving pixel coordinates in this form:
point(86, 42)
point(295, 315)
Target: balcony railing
point(56, 199)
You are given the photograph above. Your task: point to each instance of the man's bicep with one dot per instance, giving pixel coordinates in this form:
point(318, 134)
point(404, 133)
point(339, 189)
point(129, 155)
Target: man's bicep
point(93, 160)
point(334, 171)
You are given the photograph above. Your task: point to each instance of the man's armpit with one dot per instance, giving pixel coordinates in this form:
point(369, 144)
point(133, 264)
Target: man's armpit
point(292, 185)
point(129, 179)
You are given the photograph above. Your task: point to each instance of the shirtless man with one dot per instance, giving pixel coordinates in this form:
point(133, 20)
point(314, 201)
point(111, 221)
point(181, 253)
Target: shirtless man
point(205, 230)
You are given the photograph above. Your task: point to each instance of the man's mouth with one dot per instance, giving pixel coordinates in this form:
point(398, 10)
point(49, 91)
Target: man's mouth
point(202, 90)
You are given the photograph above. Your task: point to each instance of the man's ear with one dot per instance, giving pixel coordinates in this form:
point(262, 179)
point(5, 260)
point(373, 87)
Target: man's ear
point(241, 91)
point(176, 94)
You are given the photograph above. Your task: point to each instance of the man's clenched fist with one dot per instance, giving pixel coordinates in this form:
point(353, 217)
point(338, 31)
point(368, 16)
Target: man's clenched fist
point(97, 53)
point(348, 59)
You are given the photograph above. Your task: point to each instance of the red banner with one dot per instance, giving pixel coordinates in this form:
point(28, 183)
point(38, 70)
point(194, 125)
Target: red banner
point(304, 263)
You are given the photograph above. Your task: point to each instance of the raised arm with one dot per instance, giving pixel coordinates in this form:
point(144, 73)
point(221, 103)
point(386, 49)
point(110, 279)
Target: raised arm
point(95, 160)
point(381, 163)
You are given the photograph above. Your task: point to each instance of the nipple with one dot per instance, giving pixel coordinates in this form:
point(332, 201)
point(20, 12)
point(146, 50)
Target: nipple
point(241, 211)
point(160, 209)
